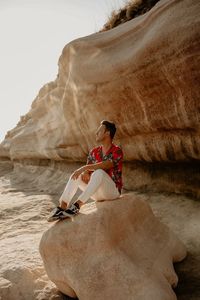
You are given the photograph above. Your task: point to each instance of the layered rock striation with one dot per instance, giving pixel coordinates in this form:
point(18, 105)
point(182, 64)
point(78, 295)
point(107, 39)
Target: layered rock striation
point(144, 76)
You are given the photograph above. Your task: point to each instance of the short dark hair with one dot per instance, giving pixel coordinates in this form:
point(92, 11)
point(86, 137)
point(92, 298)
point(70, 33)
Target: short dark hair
point(109, 127)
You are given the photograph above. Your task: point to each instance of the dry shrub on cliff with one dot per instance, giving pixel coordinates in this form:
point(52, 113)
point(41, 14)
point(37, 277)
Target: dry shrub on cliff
point(131, 10)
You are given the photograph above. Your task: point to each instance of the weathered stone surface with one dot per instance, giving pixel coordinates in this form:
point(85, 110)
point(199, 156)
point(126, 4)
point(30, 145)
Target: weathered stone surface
point(22, 221)
point(180, 177)
point(30, 190)
point(144, 75)
point(113, 250)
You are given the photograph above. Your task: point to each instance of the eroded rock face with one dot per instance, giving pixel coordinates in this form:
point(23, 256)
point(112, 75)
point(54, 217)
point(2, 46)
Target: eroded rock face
point(113, 250)
point(143, 75)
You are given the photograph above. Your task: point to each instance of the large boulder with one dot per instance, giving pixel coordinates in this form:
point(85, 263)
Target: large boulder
point(143, 75)
point(113, 250)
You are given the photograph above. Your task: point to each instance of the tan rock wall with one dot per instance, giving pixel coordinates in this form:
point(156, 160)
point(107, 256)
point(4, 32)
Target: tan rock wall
point(144, 75)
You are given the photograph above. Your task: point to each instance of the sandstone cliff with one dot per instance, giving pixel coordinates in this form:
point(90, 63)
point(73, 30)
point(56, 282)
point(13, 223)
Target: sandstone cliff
point(143, 75)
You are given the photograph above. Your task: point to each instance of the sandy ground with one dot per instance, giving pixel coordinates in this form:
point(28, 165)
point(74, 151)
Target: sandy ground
point(22, 222)
point(26, 200)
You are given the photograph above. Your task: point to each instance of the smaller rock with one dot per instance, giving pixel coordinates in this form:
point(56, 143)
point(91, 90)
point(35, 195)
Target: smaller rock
point(113, 250)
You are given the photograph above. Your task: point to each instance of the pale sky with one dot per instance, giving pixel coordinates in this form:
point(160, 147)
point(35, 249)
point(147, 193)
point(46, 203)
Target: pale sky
point(32, 36)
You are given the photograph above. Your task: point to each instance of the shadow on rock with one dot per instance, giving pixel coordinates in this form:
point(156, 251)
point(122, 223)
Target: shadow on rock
point(189, 278)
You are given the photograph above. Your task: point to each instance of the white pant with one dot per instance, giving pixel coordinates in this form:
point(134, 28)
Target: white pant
point(100, 187)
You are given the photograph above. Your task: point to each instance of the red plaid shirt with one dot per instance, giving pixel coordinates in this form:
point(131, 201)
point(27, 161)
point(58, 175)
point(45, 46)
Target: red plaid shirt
point(115, 155)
